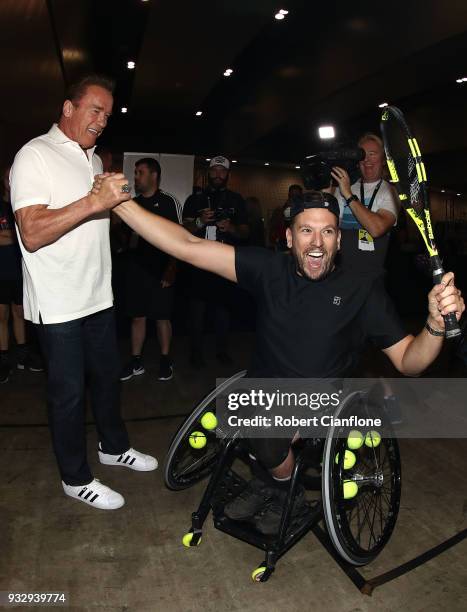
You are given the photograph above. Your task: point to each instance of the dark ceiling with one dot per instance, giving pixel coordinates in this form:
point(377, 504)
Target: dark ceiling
point(329, 62)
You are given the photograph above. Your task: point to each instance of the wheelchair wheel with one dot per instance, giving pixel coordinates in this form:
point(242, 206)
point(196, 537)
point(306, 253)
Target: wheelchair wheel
point(185, 465)
point(361, 486)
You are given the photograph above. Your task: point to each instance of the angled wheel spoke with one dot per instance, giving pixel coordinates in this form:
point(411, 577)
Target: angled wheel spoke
point(195, 464)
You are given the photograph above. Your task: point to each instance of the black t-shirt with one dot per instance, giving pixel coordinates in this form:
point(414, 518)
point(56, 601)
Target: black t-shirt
point(10, 254)
point(226, 204)
point(165, 205)
point(312, 329)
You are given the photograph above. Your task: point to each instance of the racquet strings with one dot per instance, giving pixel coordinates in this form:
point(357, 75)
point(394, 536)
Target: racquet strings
point(398, 149)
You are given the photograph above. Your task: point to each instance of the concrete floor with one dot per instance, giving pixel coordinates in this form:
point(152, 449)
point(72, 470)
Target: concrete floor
point(133, 559)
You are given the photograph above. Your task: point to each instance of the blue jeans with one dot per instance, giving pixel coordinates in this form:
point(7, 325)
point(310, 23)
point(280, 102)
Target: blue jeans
point(79, 352)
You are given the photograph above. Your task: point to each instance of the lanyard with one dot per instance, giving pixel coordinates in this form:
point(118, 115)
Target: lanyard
point(372, 199)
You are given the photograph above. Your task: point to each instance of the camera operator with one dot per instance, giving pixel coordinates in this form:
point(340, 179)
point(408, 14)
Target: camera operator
point(218, 214)
point(369, 210)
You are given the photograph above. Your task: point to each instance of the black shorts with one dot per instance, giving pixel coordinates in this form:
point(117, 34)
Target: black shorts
point(11, 291)
point(143, 294)
point(270, 452)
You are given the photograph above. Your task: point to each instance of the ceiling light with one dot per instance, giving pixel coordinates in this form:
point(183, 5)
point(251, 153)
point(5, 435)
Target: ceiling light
point(297, 167)
point(461, 80)
point(443, 190)
point(228, 72)
point(326, 131)
point(124, 109)
point(266, 163)
point(199, 113)
point(283, 12)
point(458, 194)
point(234, 161)
point(279, 16)
point(208, 159)
point(130, 65)
point(383, 104)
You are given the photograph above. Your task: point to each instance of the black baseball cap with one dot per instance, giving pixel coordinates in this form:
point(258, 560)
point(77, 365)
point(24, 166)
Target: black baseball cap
point(314, 199)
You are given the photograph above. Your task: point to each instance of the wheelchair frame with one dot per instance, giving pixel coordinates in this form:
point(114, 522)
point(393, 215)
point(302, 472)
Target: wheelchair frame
point(224, 484)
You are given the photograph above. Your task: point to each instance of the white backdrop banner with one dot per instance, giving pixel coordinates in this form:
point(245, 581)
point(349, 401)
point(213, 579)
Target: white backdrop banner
point(177, 172)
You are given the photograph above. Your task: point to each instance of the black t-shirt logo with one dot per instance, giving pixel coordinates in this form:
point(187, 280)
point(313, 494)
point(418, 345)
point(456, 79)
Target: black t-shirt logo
point(337, 300)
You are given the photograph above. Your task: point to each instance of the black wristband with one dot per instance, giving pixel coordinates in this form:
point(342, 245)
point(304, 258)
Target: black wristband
point(433, 332)
point(352, 198)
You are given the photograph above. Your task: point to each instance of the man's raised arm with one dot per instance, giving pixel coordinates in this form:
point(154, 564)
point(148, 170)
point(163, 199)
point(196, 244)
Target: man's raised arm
point(411, 356)
point(178, 242)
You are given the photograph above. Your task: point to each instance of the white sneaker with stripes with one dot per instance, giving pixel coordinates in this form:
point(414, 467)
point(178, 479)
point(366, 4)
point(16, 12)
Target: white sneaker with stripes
point(131, 459)
point(95, 494)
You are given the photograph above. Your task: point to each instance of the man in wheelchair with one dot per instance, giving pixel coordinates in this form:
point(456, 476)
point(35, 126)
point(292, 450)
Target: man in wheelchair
point(312, 320)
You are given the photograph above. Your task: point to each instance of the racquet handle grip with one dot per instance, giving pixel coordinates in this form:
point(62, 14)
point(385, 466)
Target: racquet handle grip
point(451, 326)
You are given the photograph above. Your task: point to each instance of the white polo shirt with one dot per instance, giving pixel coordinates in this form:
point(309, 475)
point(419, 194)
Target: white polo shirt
point(70, 278)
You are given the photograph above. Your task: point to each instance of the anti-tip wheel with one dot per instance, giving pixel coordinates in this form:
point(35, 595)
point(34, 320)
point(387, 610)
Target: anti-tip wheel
point(189, 539)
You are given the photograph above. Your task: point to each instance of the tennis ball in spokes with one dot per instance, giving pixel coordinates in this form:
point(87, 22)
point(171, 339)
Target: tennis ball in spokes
point(372, 439)
point(350, 489)
point(209, 421)
point(354, 439)
point(349, 459)
point(197, 439)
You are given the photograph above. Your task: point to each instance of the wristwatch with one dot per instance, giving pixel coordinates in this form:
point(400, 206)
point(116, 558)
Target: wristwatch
point(352, 198)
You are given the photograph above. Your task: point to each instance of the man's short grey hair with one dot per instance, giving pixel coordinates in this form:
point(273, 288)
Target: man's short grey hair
point(370, 136)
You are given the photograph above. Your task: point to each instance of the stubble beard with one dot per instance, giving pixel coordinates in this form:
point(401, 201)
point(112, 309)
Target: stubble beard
point(326, 268)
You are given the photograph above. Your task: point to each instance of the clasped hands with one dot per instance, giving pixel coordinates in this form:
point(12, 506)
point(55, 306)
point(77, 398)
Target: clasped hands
point(110, 189)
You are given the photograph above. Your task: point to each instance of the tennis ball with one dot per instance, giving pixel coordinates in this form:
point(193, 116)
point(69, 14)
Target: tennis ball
point(354, 439)
point(349, 459)
point(350, 489)
point(187, 539)
point(372, 439)
point(209, 420)
point(197, 439)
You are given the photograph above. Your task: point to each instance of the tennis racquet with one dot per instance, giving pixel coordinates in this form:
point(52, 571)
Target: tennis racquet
point(409, 176)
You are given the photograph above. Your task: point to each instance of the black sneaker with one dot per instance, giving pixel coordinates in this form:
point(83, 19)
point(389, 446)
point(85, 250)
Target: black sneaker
point(27, 360)
point(5, 368)
point(224, 358)
point(166, 370)
point(249, 501)
point(134, 368)
point(268, 520)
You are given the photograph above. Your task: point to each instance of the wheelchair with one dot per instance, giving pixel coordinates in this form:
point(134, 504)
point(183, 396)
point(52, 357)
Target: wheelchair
point(358, 476)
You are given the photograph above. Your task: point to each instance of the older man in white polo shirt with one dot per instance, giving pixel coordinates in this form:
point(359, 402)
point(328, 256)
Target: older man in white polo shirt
point(63, 231)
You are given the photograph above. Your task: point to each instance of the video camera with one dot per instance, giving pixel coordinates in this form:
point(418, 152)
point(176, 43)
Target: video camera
point(221, 214)
point(316, 169)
